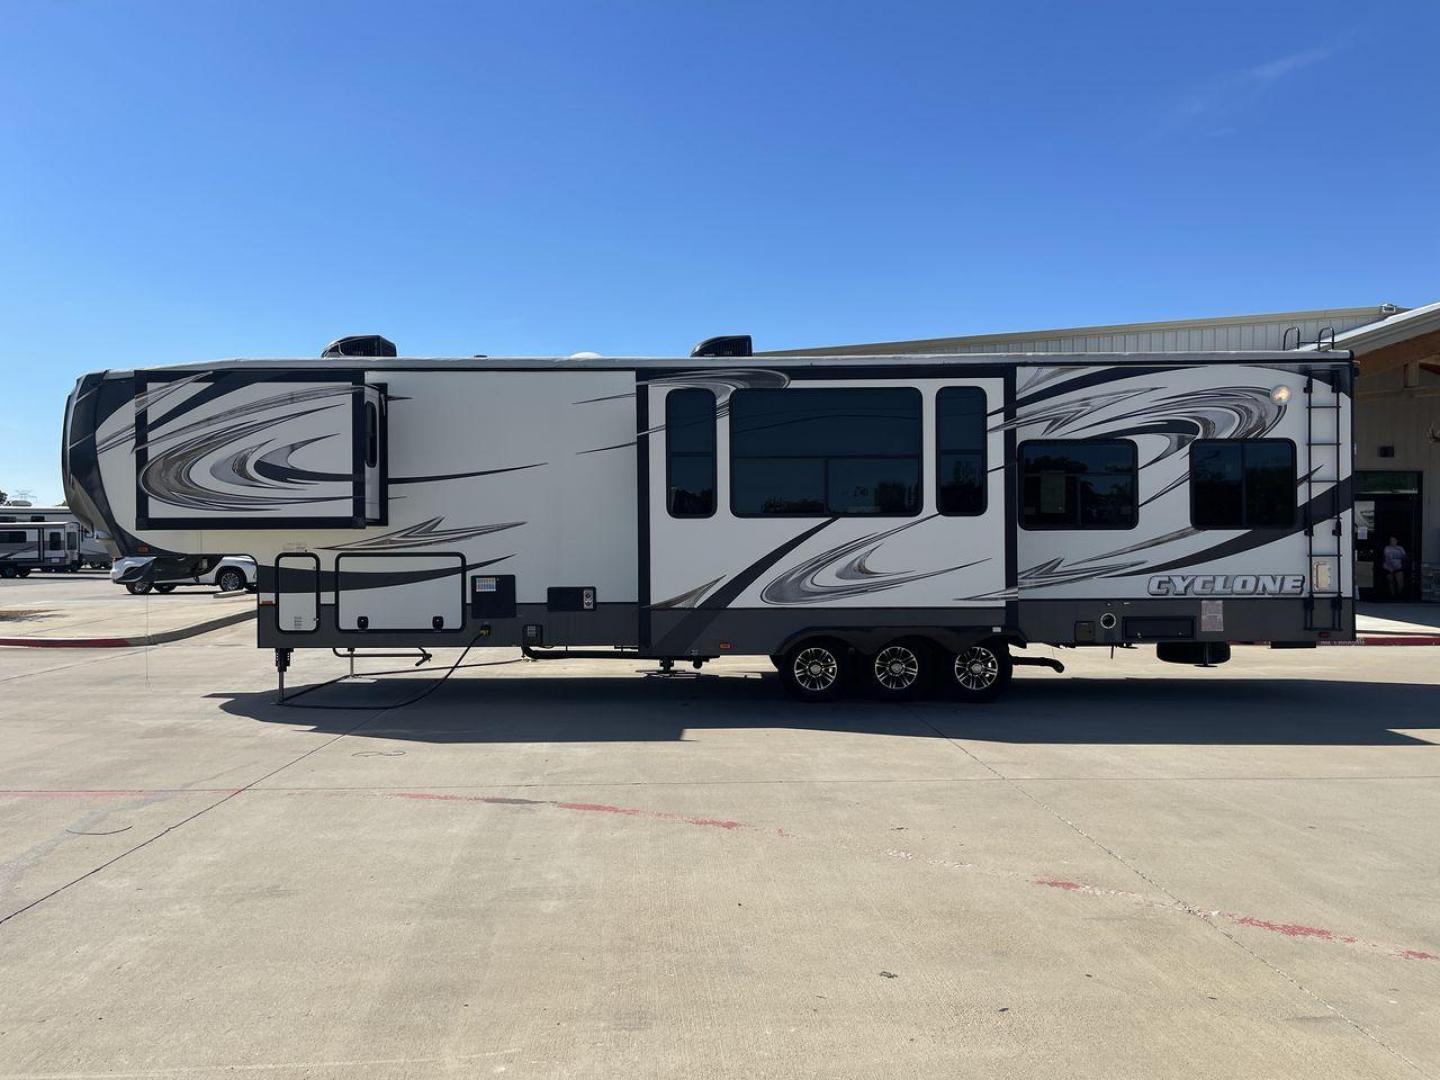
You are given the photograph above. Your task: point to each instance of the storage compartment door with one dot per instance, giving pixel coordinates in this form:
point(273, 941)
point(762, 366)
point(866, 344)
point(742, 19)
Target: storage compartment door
point(400, 592)
point(297, 593)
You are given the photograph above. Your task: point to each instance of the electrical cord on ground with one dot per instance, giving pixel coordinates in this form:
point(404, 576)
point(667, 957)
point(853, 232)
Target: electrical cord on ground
point(426, 692)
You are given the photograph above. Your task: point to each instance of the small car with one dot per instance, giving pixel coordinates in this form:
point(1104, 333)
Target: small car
point(231, 574)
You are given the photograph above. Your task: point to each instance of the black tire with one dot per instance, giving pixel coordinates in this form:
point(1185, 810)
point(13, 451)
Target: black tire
point(230, 579)
point(815, 670)
point(979, 672)
point(899, 671)
point(8, 572)
point(23, 571)
point(164, 588)
point(138, 588)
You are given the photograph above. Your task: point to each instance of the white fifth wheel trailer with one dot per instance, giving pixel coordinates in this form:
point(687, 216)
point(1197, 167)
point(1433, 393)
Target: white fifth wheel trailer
point(906, 520)
point(38, 545)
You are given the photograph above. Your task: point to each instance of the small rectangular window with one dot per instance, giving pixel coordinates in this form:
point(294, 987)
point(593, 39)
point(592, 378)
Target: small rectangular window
point(55, 541)
point(12, 537)
point(372, 435)
point(841, 451)
point(1242, 483)
point(690, 453)
point(1078, 484)
point(960, 450)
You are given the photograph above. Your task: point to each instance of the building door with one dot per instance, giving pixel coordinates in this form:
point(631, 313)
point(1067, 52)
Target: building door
point(1387, 505)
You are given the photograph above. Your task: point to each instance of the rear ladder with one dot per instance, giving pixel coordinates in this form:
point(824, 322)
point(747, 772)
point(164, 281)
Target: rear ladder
point(1323, 523)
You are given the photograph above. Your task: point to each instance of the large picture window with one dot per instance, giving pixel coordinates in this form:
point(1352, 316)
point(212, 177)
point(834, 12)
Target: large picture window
point(1242, 484)
point(960, 450)
point(828, 451)
point(1078, 485)
point(690, 453)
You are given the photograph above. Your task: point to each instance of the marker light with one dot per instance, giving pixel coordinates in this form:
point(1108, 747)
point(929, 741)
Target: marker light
point(1280, 395)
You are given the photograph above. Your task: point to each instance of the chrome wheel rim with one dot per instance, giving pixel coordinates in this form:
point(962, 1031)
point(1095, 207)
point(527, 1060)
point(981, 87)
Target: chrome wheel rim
point(977, 668)
point(896, 668)
point(815, 669)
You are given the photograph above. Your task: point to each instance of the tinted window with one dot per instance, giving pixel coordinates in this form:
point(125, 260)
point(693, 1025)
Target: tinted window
point(690, 453)
point(845, 452)
point(372, 435)
point(1078, 485)
point(1242, 484)
point(960, 450)
point(12, 537)
point(55, 541)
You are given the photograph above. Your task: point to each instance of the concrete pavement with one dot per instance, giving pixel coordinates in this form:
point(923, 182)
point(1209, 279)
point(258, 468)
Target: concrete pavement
point(575, 869)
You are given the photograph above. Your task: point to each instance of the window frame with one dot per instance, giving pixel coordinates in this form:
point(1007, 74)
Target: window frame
point(1242, 443)
point(918, 457)
point(940, 451)
point(1131, 448)
point(713, 455)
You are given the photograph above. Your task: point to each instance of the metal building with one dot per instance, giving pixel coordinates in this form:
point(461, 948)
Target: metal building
point(1397, 350)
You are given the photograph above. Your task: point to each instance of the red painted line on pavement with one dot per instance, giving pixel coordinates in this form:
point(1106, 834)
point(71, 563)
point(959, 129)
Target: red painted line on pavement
point(67, 643)
point(1296, 930)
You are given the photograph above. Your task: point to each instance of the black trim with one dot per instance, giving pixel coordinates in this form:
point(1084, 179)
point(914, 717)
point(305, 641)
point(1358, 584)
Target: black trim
point(642, 511)
point(1012, 507)
point(280, 580)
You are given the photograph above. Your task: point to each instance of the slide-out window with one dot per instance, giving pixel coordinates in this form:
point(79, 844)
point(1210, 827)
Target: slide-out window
point(1242, 483)
point(55, 541)
point(690, 453)
point(1078, 485)
point(960, 450)
point(825, 452)
point(372, 435)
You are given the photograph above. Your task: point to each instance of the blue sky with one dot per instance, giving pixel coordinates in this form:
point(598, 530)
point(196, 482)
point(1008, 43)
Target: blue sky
point(183, 181)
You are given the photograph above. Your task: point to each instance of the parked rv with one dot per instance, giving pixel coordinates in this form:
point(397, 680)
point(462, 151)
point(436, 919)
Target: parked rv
point(93, 551)
point(39, 545)
point(140, 574)
point(899, 523)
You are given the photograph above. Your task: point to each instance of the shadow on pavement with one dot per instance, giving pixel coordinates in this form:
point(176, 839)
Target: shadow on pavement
point(1161, 711)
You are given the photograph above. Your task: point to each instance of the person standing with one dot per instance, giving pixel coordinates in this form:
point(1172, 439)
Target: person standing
point(1392, 561)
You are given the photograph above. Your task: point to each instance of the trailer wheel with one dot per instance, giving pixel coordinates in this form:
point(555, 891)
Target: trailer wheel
point(814, 670)
point(164, 588)
point(23, 571)
point(980, 672)
point(899, 671)
point(8, 572)
point(138, 588)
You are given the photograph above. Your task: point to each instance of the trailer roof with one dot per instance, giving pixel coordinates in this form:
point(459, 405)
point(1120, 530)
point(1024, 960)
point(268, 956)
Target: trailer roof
point(643, 363)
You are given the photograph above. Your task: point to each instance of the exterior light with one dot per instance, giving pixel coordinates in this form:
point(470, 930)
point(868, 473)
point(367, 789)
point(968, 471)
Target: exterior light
point(1280, 395)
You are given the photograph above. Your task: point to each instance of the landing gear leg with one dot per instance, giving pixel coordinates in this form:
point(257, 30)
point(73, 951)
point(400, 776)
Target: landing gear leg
point(282, 662)
point(667, 666)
